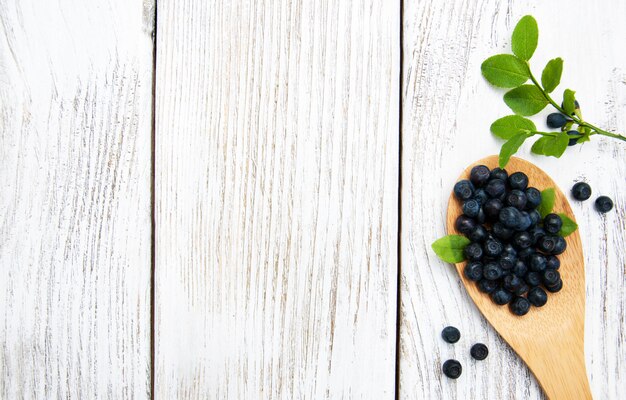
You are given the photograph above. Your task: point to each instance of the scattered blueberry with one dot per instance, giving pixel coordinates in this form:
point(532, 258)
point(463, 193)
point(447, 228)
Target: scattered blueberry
point(537, 262)
point(487, 286)
point(604, 204)
point(499, 173)
point(492, 271)
point(492, 208)
point(533, 279)
point(492, 248)
point(547, 243)
point(511, 282)
point(501, 296)
point(450, 334)
point(522, 240)
point(550, 277)
point(464, 224)
point(522, 289)
point(479, 175)
point(533, 197)
point(479, 351)
point(520, 269)
point(507, 261)
point(560, 246)
point(473, 271)
point(524, 254)
point(556, 120)
point(478, 234)
point(471, 208)
point(518, 180)
point(481, 196)
point(537, 297)
point(520, 306)
point(502, 232)
point(553, 262)
point(452, 369)
point(516, 198)
point(510, 217)
point(535, 217)
point(473, 251)
point(581, 191)
point(536, 233)
point(495, 188)
point(463, 190)
point(555, 288)
point(552, 223)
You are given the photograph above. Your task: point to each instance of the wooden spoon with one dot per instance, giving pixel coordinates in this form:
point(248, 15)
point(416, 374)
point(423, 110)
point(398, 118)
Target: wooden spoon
point(549, 339)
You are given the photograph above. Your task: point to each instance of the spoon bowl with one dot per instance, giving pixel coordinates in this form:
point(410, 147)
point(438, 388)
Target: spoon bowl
point(550, 339)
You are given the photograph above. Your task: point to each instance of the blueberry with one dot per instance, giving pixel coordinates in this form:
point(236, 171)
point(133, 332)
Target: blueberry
point(533, 197)
point(450, 334)
point(452, 369)
point(464, 224)
point(524, 254)
point(516, 198)
point(518, 180)
point(560, 246)
point(478, 234)
point(537, 262)
point(533, 279)
point(547, 243)
point(473, 251)
point(492, 271)
point(536, 233)
point(550, 277)
point(525, 222)
point(604, 204)
point(481, 217)
point(552, 262)
point(492, 248)
point(535, 217)
point(552, 223)
point(573, 141)
point(522, 240)
point(511, 282)
point(537, 297)
point(479, 175)
point(520, 269)
point(471, 208)
point(501, 296)
point(509, 249)
point(507, 261)
point(555, 288)
point(492, 209)
point(487, 286)
point(495, 188)
point(479, 351)
point(502, 232)
point(556, 120)
point(463, 190)
point(520, 306)
point(522, 289)
point(481, 196)
point(499, 173)
point(473, 271)
point(581, 191)
point(510, 217)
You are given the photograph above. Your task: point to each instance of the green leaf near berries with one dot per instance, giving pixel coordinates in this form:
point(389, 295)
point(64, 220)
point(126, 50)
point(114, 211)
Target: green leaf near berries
point(569, 225)
point(450, 248)
point(511, 125)
point(525, 38)
point(505, 70)
point(553, 146)
point(551, 75)
point(569, 101)
point(585, 138)
point(525, 100)
point(510, 147)
point(547, 201)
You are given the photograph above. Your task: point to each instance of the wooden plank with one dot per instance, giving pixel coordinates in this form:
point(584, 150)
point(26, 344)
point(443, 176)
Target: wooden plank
point(447, 110)
point(276, 199)
point(75, 134)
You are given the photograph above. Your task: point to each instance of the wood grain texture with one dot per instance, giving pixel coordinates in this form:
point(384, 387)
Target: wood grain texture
point(447, 110)
point(276, 199)
point(75, 129)
point(549, 339)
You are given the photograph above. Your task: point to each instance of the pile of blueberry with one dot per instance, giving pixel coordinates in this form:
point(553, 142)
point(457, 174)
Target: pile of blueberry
point(513, 251)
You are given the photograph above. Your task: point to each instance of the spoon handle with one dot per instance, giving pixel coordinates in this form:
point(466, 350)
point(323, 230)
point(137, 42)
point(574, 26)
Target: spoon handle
point(564, 378)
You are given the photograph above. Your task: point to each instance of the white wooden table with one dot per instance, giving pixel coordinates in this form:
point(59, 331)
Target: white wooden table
point(236, 199)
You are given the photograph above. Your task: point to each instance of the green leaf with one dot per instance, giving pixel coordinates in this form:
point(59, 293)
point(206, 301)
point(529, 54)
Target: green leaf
point(511, 125)
point(547, 201)
point(553, 146)
point(569, 101)
point(450, 248)
point(525, 100)
point(505, 70)
point(511, 147)
point(525, 38)
point(551, 75)
point(569, 226)
point(585, 138)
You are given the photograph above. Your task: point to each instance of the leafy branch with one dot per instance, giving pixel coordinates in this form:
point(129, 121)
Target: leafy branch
point(512, 71)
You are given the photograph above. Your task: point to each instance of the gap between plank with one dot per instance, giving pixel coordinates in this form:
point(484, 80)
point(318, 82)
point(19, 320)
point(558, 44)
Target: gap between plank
point(152, 207)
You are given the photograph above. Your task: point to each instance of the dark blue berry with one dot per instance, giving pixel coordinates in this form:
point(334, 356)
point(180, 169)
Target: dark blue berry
point(481, 196)
point(509, 249)
point(492, 248)
point(533, 197)
point(495, 188)
point(507, 261)
point(492, 209)
point(522, 289)
point(516, 198)
point(479, 351)
point(520, 269)
point(473, 251)
point(533, 278)
point(499, 173)
point(452, 369)
point(492, 271)
point(535, 217)
point(581, 191)
point(487, 286)
point(479, 175)
point(573, 141)
point(555, 288)
point(537, 297)
point(552, 223)
point(473, 271)
point(511, 282)
point(464, 190)
point(550, 277)
point(478, 234)
point(525, 222)
point(501, 296)
point(502, 232)
point(524, 254)
point(450, 334)
point(481, 217)
point(552, 262)
point(604, 204)
point(536, 233)
point(522, 240)
point(518, 180)
point(556, 120)
point(464, 224)
point(510, 217)
point(471, 208)
point(547, 243)
point(560, 246)
point(537, 262)
point(520, 306)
